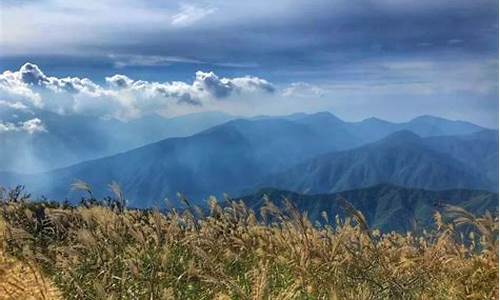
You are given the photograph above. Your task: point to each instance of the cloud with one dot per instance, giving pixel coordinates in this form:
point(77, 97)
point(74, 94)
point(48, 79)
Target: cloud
point(14, 89)
point(303, 90)
point(206, 85)
point(190, 14)
point(123, 60)
point(32, 126)
point(153, 61)
point(455, 41)
point(119, 81)
point(30, 76)
point(121, 97)
point(13, 105)
point(278, 33)
point(223, 87)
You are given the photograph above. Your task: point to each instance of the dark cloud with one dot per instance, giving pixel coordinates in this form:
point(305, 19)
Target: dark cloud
point(280, 34)
point(315, 43)
point(333, 32)
point(212, 83)
point(31, 74)
point(120, 81)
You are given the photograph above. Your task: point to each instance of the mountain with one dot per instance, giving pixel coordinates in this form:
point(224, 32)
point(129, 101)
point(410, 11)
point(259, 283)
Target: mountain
point(387, 207)
point(353, 134)
point(402, 158)
point(224, 158)
point(331, 127)
point(478, 150)
point(240, 154)
point(426, 126)
point(70, 139)
point(372, 129)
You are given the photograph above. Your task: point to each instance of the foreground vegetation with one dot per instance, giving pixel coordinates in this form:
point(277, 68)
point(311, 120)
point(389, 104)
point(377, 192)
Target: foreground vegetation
point(101, 250)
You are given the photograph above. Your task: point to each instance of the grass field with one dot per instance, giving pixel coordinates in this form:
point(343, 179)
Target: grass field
point(105, 251)
point(20, 279)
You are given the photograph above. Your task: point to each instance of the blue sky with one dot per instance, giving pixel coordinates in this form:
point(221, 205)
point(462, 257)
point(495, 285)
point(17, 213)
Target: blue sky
point(386, 58)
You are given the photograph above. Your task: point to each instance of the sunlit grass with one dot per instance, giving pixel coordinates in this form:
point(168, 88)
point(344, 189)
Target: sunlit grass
point(105, 251)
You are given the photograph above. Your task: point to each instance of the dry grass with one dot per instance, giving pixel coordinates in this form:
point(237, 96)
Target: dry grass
point(230, 252)
point(22, 280)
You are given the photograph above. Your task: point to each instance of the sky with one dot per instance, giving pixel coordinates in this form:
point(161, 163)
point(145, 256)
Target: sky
point(392, 59)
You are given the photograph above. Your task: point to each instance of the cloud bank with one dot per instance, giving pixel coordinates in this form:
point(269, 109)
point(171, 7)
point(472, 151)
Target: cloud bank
point(120, 97)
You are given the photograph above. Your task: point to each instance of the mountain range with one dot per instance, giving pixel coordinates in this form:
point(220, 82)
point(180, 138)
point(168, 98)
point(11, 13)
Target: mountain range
point(70, 139)
point(306, 153)
point(403, 158)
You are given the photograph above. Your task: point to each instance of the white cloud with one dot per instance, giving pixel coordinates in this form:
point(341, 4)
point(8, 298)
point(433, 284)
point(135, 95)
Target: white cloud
point(190, 14)
point(32, 126)
point(121, 97)
point(13, 89)
point(13, 105)
point(303, 90)
point(122, 61)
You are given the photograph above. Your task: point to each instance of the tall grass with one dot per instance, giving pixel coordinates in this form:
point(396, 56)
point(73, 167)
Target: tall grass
point(105, 251)
point(22, 279)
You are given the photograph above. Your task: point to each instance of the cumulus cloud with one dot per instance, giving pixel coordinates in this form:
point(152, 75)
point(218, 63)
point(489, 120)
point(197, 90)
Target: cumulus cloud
point(32, 76)
point(119, 81)
point(32, 126)
point(13, 89)
point(121, 97)
point(223, 87)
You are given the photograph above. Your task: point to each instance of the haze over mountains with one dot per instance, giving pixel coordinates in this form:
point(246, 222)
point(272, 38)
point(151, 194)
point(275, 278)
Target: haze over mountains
point(70, 139)
point(316, 153)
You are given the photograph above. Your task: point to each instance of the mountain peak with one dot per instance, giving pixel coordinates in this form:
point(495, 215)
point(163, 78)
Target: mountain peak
point(427, 125)
point(436, 120)
point(322, 117)
point(374, 120)
point(325, 114)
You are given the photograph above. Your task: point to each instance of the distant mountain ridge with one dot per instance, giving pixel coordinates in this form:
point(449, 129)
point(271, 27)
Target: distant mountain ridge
point(372, 129)
point(70, 139)
point(235, 157)
point(402, 158)
point(385, 206)
point(224, 158)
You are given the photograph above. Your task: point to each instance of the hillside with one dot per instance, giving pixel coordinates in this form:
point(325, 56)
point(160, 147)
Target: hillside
point(100, 251)
point(386, 207)
point(403, 159)
point(478, 150)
